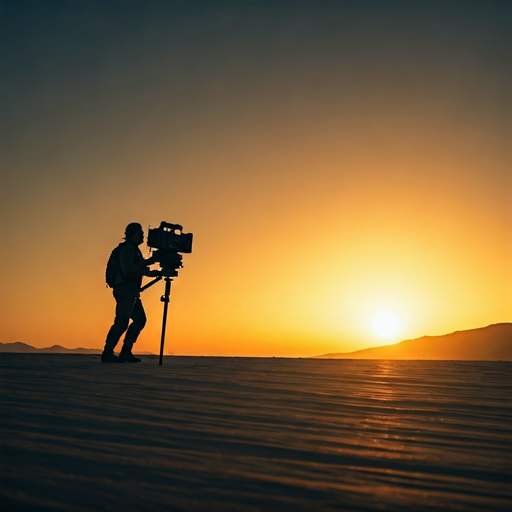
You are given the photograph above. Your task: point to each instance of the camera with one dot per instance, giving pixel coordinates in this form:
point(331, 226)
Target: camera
point(168, 240)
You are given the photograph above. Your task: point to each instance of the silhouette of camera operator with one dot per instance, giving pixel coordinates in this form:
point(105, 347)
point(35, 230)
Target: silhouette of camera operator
point(131, 267)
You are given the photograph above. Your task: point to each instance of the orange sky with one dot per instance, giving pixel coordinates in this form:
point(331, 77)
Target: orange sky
point(329, 170)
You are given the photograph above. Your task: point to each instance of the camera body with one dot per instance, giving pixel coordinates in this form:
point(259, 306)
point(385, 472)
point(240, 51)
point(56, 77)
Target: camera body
point(168, 240)
point(165, 237)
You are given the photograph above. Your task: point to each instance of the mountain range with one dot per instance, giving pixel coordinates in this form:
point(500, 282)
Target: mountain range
point(23, 348)
point(491, 343)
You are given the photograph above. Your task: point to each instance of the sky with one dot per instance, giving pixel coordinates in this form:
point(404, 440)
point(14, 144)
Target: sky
point(344, 167)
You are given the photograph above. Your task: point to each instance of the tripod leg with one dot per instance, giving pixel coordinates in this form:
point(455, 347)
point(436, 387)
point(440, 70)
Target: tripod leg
point(166, 298)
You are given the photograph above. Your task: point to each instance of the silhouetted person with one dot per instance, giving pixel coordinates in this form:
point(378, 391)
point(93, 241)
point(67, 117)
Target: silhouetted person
point(132, 266)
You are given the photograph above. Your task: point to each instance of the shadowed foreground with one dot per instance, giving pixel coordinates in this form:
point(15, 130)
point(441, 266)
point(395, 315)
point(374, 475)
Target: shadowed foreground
point(254, 434)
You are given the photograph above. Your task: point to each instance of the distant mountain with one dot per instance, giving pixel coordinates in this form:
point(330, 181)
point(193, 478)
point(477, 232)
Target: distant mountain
point(491, 343)
point(22, 348)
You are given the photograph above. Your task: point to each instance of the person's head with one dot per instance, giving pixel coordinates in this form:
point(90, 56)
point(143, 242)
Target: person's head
point(134, 233)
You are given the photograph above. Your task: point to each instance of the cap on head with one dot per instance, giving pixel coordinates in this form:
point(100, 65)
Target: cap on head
point(132, 229)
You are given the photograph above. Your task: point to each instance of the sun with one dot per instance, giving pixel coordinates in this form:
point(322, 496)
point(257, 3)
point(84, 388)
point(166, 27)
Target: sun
point(386, 324)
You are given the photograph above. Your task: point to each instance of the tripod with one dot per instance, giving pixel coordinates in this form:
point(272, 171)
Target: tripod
point(165, 298)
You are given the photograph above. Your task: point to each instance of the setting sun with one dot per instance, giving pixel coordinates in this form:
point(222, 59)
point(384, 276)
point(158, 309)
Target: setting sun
point(386, 324)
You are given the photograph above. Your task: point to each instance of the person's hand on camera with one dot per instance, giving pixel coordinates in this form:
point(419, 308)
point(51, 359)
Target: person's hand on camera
point(150, 260)
point(153, 273)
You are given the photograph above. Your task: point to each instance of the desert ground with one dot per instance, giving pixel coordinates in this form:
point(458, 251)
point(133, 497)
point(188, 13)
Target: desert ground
point(250, 434)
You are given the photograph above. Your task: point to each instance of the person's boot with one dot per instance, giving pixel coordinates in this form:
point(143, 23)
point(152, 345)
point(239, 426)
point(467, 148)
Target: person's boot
point(110, 357)
point(126, 356)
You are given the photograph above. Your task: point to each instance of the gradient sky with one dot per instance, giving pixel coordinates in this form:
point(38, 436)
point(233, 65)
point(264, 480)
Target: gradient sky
point(334, 159)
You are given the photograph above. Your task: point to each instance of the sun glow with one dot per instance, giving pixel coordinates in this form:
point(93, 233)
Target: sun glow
point(386, 324)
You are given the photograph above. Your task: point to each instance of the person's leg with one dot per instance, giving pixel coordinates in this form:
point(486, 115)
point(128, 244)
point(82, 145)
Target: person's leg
point(125, 304)
point(138, 316)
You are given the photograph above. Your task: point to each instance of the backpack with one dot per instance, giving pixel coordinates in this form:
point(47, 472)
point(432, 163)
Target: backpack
point(113, 266)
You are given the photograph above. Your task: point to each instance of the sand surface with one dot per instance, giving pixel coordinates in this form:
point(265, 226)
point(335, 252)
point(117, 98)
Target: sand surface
point(221, 434)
